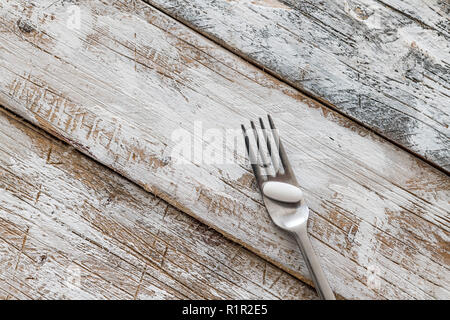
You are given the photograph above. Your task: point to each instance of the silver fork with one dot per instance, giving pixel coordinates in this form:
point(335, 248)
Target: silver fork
point(292, 217)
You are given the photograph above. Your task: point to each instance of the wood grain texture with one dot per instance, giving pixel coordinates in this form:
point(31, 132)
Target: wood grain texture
point(384, 63)
point(430, 14)
point(65, 217)
point(119, 87)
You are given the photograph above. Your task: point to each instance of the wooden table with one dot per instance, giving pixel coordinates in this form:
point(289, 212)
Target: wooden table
point(94, 204)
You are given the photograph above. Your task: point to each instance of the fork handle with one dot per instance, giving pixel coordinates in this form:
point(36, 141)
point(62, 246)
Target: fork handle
point(320, 281)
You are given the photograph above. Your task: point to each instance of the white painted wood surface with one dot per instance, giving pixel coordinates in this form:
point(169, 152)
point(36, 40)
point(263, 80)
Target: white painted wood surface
point(119, 87)
point(431, 14)
point(384, 63)
point(73, 229)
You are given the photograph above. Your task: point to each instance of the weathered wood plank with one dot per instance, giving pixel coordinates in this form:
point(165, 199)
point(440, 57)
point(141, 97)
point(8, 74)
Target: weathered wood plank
point(119, 87)
point(71, 228)
point(431, 14)
point(383, 63)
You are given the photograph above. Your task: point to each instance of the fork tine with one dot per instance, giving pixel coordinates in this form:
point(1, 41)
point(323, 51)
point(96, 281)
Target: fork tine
point(265, 162)
point(281, 151)
point(275, 160)
point(253, 160)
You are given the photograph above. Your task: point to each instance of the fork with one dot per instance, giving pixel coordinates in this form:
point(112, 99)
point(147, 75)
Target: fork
point(292, 217)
